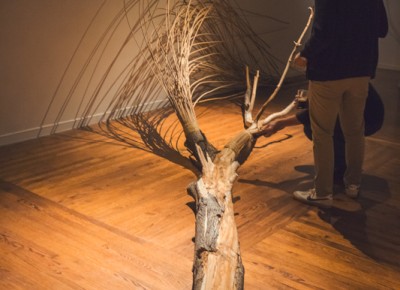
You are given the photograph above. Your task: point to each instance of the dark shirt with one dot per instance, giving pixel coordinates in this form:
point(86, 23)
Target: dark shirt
point(344, 39)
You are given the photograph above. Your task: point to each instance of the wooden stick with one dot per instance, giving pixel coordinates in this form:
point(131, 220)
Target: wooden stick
point(289, 62)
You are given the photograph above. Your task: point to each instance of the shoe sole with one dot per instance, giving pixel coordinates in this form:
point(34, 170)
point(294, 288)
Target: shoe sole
point(325, 203)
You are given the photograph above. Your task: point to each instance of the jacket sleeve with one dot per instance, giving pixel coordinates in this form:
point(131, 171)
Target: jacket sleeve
point(323, 28)
point(382, 20)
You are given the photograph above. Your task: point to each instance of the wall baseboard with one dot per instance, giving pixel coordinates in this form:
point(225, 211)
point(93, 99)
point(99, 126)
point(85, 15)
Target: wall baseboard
point(49, 129)
point(387, 66)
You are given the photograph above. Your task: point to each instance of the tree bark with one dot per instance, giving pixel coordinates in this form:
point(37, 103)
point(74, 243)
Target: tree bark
point(217, 261)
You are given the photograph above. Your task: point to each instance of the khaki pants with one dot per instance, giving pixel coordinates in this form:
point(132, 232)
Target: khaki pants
point(327, 100)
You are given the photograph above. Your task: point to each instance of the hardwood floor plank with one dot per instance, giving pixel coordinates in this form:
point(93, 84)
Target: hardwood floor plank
point(56, 241)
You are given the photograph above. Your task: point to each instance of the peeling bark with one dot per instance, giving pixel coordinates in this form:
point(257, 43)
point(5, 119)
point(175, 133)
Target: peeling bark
point(217, 261)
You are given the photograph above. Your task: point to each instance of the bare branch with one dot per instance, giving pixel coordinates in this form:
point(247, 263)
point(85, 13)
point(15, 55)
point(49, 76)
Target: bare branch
point(288, 64)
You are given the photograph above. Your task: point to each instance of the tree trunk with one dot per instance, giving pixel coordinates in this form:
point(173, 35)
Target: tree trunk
point(217, 261)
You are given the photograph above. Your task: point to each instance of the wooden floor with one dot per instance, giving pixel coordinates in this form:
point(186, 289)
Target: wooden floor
point(82, 211)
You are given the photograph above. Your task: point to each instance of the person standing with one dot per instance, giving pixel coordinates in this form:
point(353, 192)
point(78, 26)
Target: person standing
point(340, 58)
point(373, 119)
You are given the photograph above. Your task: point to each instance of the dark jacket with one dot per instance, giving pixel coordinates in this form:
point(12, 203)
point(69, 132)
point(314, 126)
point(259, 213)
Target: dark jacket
point(344, 39)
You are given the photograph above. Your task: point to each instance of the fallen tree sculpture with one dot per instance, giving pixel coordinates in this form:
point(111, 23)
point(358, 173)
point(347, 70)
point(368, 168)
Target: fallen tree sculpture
point(185, 53)
point(217, 261)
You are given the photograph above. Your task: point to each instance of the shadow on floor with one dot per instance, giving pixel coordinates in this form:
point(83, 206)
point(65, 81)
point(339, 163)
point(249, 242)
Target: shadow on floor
point(370, 223)
point(373, 228)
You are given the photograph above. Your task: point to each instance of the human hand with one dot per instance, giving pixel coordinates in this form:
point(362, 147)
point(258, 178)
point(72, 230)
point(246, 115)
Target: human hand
point(299, 62)
point(271, 128)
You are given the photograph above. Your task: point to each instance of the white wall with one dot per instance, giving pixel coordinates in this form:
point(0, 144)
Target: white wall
point(46, 44)
point(390, 46)
point(279, 22)
point(51, 50)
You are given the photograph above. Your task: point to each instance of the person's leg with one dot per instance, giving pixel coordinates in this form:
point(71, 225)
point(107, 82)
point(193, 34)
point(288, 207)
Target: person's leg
point(338, 148)
point(324, 102)
point(339, 154)
point(352, 123)
point(324, 105)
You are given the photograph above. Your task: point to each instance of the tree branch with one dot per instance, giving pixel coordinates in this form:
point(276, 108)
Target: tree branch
point(288, 64)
